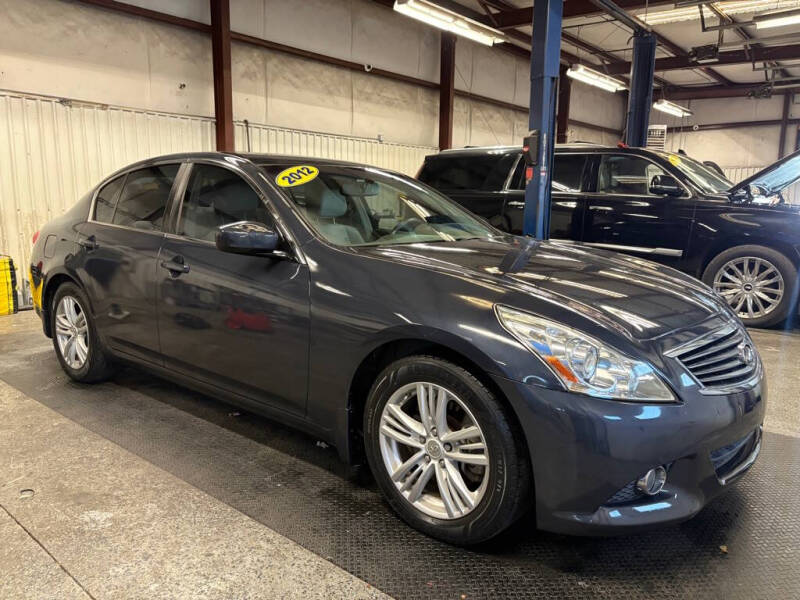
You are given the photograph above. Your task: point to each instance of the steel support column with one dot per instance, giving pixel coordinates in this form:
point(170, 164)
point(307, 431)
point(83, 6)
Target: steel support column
point(221, 64)
point(564, 97)
point(787, 103)
point(640, 97)
point(447, 79)
point(545, 55)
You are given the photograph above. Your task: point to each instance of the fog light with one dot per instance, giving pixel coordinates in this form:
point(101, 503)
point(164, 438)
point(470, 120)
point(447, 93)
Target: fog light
point(653, 481)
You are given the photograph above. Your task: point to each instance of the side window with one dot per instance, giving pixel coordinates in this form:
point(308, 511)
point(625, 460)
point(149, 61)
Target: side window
point(214, 197)
point(106, 200)
point(483, 172)
point(621, 174)
point(144, 197)
point(568, 172)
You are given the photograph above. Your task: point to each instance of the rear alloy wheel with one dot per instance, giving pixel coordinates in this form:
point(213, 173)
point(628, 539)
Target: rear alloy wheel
point(758, 283)
point(447, 455)
point(77, 345)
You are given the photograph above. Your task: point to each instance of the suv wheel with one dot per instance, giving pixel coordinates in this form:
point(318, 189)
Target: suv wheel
point(445, 453)
point(759, 283)
point(75, 339)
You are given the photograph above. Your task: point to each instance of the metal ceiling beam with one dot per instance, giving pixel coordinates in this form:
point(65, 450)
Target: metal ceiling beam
point(719, 91)
point(732, 57)
point(572, 8)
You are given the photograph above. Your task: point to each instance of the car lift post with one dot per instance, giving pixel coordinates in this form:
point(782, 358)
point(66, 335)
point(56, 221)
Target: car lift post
point(641, 95)
point(545, 55)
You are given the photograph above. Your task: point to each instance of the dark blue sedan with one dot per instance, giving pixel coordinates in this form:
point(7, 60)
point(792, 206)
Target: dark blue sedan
point(481, 375)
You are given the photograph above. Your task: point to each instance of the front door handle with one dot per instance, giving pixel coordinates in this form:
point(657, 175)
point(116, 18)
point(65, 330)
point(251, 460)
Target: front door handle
point(176, 266)
point(90, 243)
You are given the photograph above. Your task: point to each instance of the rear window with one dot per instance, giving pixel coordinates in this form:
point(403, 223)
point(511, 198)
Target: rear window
point(144, 198)
point(106, 200)
point(484, 172)
point(567, 173)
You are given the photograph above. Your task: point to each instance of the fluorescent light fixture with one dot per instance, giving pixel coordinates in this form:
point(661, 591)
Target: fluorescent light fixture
point(676, 110)
point(448, 20)
point(691, 13)
point(595, 78)
point(777, 19)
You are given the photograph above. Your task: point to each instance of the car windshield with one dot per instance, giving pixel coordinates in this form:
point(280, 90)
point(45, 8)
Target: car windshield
point(363, 206)
point(706, 178)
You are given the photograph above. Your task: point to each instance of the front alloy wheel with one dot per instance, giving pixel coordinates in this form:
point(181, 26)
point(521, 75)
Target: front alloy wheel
point(752, 286)
point(434, 450)
point(446, 451)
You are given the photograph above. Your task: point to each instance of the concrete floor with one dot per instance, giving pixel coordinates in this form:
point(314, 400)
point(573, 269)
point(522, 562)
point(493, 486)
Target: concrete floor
point(84, 517)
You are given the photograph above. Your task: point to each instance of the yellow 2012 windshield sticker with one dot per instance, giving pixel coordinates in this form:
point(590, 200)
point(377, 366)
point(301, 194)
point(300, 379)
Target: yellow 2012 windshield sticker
point(296, 175)
point(674, 160)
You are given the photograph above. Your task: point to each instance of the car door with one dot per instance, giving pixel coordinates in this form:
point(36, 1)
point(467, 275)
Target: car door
point(623, 215)
point(236, 321)
point(567, 201)
point(116, 263)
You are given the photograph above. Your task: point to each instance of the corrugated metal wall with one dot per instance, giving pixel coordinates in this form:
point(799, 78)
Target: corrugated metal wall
point(275, 140)
point(52, 152)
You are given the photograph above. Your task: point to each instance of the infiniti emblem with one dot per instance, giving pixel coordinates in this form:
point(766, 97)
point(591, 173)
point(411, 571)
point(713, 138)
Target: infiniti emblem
point(746, 354)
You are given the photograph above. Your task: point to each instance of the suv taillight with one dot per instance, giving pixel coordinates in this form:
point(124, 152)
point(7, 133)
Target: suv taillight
point(35, 237)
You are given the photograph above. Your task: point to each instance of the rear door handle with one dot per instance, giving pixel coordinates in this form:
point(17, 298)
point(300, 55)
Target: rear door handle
point(176, 266)
point(90, 243)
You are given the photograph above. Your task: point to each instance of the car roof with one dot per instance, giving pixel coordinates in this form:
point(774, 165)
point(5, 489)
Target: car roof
point(585, 146)
point(256, 158)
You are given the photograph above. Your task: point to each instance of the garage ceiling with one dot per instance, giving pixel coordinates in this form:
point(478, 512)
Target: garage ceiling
point(596, 38)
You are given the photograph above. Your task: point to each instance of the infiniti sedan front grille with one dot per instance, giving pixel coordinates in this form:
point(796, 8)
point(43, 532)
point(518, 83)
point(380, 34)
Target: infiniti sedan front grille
point(721, 359)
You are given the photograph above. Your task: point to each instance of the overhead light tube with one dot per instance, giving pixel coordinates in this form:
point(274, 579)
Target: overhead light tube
point(449, 20)
point(676, 110)
point(777, 19)
point(595, 78)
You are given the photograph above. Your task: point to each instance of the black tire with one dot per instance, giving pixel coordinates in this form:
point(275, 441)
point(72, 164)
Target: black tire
point(507, 495)
point(788, 271)
point(97, 365)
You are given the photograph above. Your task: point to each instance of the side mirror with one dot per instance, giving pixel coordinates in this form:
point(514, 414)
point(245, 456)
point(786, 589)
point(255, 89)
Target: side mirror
point(664, 185)
point(247, 237)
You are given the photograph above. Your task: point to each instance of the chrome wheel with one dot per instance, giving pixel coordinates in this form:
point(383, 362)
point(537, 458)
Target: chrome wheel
point(752, 286)
point(72, 332)
point(434, 450)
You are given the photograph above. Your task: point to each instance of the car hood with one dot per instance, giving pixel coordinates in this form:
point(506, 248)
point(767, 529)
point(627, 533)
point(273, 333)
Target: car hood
point(639, 298)
point(775, 178)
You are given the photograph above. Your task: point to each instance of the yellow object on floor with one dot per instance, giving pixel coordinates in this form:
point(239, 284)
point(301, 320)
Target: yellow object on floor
point(8, 286)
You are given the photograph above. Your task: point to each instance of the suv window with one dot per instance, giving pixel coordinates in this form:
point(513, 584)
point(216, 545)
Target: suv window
point(106, 200)
point(626, 175)
point(567, 173)
point(215, 197)
point(483, 172)
point(144, 198)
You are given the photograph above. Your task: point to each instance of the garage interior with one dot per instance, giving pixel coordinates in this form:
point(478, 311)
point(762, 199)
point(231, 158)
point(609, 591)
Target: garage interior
point(139, 488)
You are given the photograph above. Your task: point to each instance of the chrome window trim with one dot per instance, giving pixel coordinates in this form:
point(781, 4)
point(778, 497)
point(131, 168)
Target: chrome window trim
point(674, 252)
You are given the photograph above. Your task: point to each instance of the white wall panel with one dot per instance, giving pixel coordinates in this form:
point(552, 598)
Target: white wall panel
point(53, 152)
point(265, 139)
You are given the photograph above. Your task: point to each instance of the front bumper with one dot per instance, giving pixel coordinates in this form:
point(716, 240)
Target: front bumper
point(587, 453)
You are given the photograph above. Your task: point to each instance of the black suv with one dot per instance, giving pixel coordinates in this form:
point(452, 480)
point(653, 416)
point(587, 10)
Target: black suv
point(741, 239)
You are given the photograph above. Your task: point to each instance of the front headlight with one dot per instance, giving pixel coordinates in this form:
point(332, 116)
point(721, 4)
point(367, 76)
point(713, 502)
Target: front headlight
point(584, 364)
